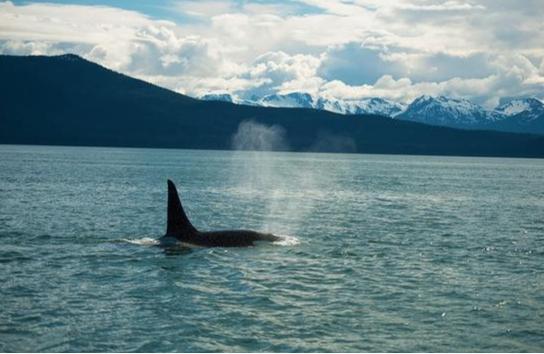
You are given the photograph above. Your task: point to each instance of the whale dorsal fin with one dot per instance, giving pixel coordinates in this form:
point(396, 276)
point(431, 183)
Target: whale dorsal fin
point(178, 224)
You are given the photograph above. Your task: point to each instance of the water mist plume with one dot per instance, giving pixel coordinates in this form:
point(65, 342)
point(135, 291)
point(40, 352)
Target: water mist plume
point(259, 137)
point(280, 187)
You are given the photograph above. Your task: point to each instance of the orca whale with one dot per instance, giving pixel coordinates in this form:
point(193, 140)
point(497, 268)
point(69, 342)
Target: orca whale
point(180, 228)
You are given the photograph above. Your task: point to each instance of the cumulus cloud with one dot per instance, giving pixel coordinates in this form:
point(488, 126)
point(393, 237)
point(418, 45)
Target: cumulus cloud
point(353, 63)
point(277, 69)
point(486, 91)
point(398, 49)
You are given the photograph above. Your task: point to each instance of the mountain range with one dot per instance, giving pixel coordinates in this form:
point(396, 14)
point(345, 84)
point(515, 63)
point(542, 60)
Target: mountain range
point(376, 106)
point(516, 115)
point(67, 100)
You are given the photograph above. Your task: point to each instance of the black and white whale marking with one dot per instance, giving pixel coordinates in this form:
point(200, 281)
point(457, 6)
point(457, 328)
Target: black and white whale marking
point(180, 228)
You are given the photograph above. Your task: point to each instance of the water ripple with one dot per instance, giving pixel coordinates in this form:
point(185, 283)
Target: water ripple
point(390, 254)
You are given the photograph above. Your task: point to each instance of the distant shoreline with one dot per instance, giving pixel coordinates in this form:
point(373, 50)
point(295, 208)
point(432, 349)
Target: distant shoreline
point(270, 151)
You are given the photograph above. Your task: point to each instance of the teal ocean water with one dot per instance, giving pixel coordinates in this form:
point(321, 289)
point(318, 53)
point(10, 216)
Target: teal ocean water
point(382, 253)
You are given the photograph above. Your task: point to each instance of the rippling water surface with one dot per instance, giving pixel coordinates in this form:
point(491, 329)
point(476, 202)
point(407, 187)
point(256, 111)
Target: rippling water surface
point(383, 253)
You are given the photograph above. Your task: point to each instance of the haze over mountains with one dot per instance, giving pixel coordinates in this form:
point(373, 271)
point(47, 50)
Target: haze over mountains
point(66, 100)
point(516, 115)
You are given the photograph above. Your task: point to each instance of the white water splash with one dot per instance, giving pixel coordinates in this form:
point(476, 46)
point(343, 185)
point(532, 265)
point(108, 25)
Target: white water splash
point(144, 241)
point(287, 240)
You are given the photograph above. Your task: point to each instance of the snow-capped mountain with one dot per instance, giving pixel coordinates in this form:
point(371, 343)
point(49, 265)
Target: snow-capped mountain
point(293, 99)
point(445, 111)
point(531, 108)
point(381, 106)
point(374, 105)
point(518, 115)
point(524, 115)
point(377, 106)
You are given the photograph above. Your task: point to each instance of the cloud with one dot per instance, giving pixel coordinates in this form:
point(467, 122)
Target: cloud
point(341, 8)
point(510, 82)
point(398, 49)
point(443, 6)
point(122, 40)
point(354, 63)
point(279, 68)
point(203, 8)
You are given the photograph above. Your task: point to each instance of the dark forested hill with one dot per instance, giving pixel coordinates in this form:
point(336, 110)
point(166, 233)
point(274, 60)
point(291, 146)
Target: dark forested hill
point(66, 100)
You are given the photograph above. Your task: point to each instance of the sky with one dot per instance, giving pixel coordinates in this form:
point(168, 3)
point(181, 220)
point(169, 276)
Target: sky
point(482, 50)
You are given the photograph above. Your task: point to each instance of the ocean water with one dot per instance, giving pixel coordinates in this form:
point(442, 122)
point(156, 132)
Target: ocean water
point(381, 253)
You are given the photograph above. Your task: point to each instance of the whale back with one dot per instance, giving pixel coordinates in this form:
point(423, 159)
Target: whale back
point(178, 224)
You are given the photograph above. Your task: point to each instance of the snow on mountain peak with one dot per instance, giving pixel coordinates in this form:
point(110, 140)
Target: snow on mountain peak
point(293, 99)
point(520, 105)
point(372, 105)
point(447, 111)
point(435, 110)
